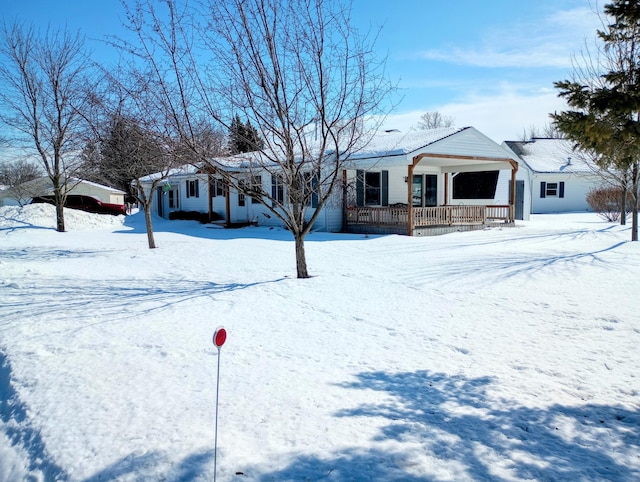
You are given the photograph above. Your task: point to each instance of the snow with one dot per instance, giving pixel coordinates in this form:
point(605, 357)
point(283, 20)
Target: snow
point(380, 144)
point(504, 354)
point(552, 155)
point(395, 143)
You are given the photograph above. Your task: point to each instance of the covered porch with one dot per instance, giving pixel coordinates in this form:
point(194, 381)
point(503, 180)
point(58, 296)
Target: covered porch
point(416, 218)
point(426, 220)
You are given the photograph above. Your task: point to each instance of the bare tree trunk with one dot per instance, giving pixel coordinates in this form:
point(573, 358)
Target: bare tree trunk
point(301, 260)
point(147, 220)
point(60, 218)
point(623, 205)
point(634, 211)
point(59, 197)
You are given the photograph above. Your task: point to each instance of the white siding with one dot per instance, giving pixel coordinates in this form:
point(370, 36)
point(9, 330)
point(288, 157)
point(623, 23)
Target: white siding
point(469, 142)
point(576, 188)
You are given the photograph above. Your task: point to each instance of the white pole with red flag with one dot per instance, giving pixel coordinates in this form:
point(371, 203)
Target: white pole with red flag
point(219, 337)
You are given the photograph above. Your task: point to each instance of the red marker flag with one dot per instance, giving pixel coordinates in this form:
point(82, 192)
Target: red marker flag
point(219, 337)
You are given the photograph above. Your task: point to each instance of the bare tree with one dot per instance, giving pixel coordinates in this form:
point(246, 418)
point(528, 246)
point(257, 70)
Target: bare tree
point(18, 177)
point(42, 80)
point(547, 131)
point(434, 120)
point(130, 140)
point(295, 69)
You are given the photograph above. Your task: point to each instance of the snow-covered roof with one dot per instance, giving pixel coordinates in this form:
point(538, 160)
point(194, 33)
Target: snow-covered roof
point(550, 155)
point(185, 170)
point(395, 143)
point(379, 145)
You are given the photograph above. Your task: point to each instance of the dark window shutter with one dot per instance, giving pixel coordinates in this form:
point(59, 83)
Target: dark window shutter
point(543, 189)
point(359, 187)
point(186, 183)
point(314, 193)
point(197, 189)
point(274, 190)
point(561, 189)
point(385, 188)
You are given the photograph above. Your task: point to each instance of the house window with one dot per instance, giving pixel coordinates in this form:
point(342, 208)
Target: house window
point(372, 188)
point(173, 199)
point(256, 187)
point(192, 188)
point(217, 187)
point(277, 188)
point(475, 185)
point(552, 189)
point(241, 198)
point(372, 185)
point(311, 188)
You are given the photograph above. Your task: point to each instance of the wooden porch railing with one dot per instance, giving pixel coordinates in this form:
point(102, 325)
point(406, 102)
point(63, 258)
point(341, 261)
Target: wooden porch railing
point(432, 216)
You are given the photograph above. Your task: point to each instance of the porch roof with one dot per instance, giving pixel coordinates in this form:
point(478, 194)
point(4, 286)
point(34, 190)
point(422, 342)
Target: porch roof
point(450, 150)
point(449, 163)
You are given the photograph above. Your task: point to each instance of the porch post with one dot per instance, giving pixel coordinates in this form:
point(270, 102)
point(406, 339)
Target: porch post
point(345, 205)
point(209, 181)
point(446, 188)
point(227, 201)
point(512, 201)
point(410, 200)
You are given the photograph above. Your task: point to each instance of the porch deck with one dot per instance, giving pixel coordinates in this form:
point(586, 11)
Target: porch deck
point(424, 221)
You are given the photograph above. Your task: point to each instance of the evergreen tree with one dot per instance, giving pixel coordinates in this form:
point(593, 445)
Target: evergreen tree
point(243, 137)
point(606, 108)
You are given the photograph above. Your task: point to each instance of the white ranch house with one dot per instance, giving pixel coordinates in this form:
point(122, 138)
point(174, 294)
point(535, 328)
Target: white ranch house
point(555, 177)
point(416, 183)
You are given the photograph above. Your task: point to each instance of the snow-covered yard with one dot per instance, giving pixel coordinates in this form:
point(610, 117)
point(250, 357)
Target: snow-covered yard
point(502, 355)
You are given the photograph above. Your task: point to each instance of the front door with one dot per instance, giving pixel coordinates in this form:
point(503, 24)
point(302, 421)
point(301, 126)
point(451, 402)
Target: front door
point(425, 190)
point(519, 214)
point(430, 190)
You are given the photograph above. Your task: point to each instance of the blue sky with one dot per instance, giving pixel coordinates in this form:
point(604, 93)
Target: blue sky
point(490, 64)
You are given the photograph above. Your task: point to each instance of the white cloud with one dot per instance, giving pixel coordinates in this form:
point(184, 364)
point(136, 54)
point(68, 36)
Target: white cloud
point(503, 116)
point(548, 42)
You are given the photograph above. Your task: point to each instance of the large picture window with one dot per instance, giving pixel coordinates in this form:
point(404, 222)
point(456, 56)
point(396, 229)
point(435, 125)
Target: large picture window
point(475, 185)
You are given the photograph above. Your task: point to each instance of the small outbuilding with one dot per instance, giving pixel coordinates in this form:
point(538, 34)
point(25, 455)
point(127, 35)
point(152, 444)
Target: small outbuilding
point(43, 187)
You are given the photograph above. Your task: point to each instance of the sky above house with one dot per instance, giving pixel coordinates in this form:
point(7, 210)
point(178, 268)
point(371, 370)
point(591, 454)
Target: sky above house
point(490, 65)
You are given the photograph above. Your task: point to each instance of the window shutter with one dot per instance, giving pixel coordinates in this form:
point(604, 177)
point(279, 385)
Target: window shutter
point(359, 187)
point(385, 188)
point(314, 193)
point(543, 189)
point(561, 189)
point(197, 190)
point(186, 184)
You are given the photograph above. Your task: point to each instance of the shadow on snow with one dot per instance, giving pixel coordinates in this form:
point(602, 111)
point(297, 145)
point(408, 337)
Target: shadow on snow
point(19, 431)
point(445, 426)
